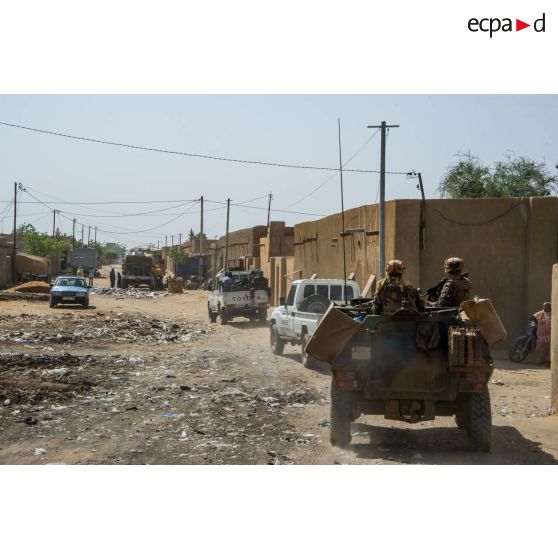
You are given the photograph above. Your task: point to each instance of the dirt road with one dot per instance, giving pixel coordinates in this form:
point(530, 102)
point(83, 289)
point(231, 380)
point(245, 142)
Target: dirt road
point(151, 381)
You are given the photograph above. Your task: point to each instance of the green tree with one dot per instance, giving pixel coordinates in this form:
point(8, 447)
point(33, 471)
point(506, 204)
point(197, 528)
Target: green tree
point(41, 244)
point(513, 177)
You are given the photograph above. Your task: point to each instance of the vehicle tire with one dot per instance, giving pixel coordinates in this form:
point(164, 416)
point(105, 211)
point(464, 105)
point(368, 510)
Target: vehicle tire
point(307, 360)
point(212, 315)
point(520, 349)
point(316, 303)
point(262, 315)
point(340, 418)
point(277, 344)
point(85, 305)
point(479, 420)
point(461, 418)
point(51, 303)
point(224, 316)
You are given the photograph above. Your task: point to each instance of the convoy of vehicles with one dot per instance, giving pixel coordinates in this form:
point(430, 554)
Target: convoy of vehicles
point(241, 298)
point(138, 271)
point(69, 289)
point(298, 317)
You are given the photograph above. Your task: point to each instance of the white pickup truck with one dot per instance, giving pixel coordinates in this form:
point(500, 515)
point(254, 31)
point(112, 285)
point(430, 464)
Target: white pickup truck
point(296, 320)
point(237, 300)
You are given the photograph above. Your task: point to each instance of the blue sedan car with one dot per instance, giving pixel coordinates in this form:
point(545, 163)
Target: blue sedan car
point(69, 289)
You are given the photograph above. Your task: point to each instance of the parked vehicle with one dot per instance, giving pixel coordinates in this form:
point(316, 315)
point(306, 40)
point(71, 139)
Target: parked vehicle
point(298, 317)
point(87, 258)
point(408, 368)
point(524, 344)
point(69, 289)
point(138, 271)
point(241, 300)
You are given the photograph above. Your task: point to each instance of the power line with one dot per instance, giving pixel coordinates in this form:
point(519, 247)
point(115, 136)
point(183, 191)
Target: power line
point(265, 208)
point(186, 154)
point(312, 192)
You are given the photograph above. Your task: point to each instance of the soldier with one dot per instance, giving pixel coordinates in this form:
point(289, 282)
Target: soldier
point(456, 288)
point(394, 293)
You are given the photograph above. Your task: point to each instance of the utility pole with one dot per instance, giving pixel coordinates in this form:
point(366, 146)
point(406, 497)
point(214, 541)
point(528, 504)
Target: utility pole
point(82, 226)
point(157, 245)
point(172, 241)
point(53, 222)
point(383, 126)
point(422, 240)
point(73, 234)
point(269, 208)
point(89, 236)
point(180, 239)
point(227, 236)
point(166, 240)
point(201, 226)
point(95, 234)
point(15, 237)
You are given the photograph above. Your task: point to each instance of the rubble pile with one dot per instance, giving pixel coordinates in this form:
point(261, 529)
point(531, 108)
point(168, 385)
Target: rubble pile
point(175, 285)
point(31, 287)
point(121, 294)
point(71, 328)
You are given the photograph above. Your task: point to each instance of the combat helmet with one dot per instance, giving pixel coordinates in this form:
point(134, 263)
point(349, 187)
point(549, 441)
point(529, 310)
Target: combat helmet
point(395, 267)
point(453, 265)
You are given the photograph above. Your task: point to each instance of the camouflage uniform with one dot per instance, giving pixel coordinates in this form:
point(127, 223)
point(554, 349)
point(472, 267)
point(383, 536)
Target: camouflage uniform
point(393, 294)
point(455, 290)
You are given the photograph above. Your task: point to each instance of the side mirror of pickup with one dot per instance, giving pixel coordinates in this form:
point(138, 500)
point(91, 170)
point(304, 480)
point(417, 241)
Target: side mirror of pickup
point(282, 301)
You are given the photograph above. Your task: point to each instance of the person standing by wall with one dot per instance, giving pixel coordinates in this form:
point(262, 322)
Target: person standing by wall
point(112, 276)
point(544, 318)
point(91, 274)
point(119, 280)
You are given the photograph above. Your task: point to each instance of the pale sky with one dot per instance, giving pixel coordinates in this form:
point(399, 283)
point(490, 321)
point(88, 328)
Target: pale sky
point(294, 129)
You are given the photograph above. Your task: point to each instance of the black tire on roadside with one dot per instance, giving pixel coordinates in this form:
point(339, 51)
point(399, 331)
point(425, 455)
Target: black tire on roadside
point(277, 344)
point(224, 316)
point(52, 304)
point(479, 421)
point(212, 315)
point(341, 415)
point(307, 360)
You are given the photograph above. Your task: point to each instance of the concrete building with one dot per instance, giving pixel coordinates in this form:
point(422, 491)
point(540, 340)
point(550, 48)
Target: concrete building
point(509, 246)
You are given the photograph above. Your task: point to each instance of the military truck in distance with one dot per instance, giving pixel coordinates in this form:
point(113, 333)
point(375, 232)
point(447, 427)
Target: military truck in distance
point(408, 368)
point(87, 258)
point(138, 271)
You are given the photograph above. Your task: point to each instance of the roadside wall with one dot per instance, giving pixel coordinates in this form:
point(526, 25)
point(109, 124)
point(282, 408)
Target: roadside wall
point(554, 342)
point(509, 246)
point(5, 267)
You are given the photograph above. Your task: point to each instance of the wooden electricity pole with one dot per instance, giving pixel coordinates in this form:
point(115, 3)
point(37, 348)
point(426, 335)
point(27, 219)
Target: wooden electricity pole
point(202, 247)
point(382, 239)
point(15, 237)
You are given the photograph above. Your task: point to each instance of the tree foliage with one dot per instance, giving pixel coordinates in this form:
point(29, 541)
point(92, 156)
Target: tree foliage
point(41, 244)
point(513, 177)
point(178, 256)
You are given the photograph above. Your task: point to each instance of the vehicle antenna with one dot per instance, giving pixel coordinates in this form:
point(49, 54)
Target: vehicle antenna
point(342, 215)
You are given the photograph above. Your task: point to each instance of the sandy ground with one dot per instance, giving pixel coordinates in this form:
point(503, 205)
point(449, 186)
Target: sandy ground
point(147, 381)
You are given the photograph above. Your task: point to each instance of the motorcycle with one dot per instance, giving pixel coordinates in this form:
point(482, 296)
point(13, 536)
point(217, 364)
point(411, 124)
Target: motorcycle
point(524, 344)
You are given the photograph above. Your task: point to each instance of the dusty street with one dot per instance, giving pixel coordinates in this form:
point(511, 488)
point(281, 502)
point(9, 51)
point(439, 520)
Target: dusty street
point(149, 380)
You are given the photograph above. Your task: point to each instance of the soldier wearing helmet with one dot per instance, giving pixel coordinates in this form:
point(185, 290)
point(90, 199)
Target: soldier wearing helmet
point(457, 287)
point(394, 293)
